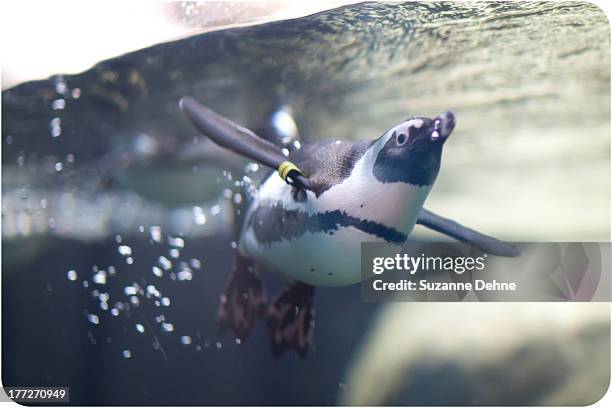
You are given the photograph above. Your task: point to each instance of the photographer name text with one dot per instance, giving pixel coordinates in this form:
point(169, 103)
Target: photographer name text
point(425, 285)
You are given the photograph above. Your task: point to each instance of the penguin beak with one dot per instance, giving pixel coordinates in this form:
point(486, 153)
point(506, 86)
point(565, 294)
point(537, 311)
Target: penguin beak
point(443, 126)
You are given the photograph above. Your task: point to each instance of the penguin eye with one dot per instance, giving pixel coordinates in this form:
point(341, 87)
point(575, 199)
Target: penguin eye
point(401, 139)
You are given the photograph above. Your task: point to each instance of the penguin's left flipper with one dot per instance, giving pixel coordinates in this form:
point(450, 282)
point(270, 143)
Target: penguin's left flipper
point(291, 319)
point(455, 230)
point(242, 141)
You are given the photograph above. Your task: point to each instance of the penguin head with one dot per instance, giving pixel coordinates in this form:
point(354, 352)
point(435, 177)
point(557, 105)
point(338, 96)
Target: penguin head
point(411, 151)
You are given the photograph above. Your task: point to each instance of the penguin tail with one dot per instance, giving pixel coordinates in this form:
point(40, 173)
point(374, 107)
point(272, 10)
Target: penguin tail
point(244, 300)
point(291, 319)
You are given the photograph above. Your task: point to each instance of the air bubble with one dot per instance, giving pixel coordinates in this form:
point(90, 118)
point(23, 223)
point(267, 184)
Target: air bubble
point(100, 278)
point(186, 340)
point(55, 127)
point(164, 263)
point(251, 168)
point(168, 327)
point(72, 275)
point(60, 86)
point(152, 291)
point(25, 193)
point(58, 104)
point(93, 318)
point(155, 232)
point(127, 353)
point(157, 271)
point(215, 209)
point(140, 328)
point(124, 250)
point(184, 275)
point(198, 216)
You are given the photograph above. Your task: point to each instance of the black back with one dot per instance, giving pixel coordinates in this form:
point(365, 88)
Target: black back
point(328, 162)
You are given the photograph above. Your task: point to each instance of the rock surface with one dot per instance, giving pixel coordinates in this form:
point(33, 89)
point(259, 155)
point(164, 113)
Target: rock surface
point(484, 354)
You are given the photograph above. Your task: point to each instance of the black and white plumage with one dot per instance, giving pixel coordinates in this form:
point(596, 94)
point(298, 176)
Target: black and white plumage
point(364, 191)
point(310, 226)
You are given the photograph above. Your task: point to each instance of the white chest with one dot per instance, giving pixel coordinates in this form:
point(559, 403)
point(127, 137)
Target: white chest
point(326, 251)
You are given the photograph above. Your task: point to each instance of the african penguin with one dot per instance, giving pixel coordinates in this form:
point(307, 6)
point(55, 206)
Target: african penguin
point(365, 191)
point(308, 219)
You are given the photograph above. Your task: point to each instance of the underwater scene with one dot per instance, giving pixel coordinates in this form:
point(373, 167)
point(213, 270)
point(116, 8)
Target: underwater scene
point(122, 222)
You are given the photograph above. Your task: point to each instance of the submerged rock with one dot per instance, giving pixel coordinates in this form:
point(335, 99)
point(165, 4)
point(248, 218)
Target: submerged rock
point(483, 354)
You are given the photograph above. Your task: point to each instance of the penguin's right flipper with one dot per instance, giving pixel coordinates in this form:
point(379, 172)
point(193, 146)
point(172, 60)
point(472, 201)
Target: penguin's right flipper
point(455, 230)
point(244, 300)
point(291, 319)
point(242, 141)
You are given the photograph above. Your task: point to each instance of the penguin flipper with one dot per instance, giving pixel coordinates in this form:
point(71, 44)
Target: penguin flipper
point(455, 230)
point(244, 300)
point(291, 319)
point(241, 140)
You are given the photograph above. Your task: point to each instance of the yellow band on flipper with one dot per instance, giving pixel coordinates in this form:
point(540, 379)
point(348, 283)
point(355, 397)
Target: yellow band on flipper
point(285, 168)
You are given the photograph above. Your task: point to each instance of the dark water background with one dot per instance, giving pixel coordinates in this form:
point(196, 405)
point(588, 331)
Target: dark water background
point(529, 83)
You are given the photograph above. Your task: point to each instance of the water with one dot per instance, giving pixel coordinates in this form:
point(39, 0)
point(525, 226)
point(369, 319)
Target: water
point(101, 168)
point(524, 80)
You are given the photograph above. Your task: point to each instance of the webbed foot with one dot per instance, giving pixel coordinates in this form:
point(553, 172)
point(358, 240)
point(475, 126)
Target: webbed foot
point(291, 319)
point(244, 300)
